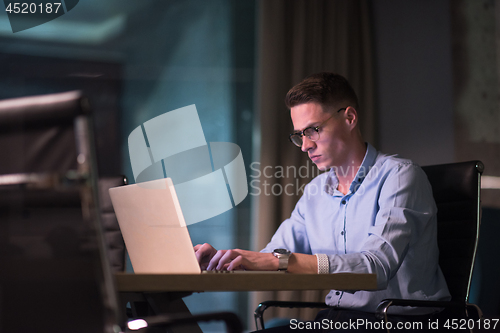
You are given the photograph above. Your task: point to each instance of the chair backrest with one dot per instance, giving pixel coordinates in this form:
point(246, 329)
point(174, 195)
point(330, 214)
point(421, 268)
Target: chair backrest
point(37, 133)
point(55, 276)
point(456, 188)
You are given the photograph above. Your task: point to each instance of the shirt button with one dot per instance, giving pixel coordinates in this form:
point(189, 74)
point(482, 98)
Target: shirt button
point(337, 293)
point(342, 233)
point(343, 202)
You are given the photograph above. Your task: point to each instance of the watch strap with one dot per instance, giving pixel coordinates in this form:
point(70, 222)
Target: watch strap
point(283, 255)
point(283, 263)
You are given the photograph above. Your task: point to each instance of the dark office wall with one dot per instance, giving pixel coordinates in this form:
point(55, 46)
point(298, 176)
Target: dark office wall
point(413, 60)
point(437, 91)
point(476, 59)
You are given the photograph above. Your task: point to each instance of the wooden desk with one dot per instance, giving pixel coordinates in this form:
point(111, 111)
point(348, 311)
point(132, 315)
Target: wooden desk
point(163, 292)
point(242, 282)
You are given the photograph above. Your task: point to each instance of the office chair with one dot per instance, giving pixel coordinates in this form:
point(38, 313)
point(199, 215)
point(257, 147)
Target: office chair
point(55, 276)
point(456, 189)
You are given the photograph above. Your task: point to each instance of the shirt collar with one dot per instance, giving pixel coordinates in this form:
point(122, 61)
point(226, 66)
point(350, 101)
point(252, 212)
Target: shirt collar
point(332, 181)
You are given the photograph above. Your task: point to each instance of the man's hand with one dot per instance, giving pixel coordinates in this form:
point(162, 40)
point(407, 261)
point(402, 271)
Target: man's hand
point(210, 259)
point(204, 253)
point(243, 260)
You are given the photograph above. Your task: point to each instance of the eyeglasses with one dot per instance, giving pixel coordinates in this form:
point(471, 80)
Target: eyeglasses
point(312, 133)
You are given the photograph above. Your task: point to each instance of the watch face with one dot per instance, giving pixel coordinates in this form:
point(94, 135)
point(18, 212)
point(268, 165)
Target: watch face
point(281, 251)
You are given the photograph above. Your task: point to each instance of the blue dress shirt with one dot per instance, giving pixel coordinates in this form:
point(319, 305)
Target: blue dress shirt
point(386, 224)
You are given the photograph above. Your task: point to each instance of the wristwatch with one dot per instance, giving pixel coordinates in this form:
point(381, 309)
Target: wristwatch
point(283, 255)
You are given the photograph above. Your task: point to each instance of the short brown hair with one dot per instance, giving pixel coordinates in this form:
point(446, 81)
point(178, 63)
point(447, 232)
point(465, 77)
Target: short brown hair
point(324, 88)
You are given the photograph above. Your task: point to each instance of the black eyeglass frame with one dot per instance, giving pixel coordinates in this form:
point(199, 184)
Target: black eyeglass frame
point(315, 128)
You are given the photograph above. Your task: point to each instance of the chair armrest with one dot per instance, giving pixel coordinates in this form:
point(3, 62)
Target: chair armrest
point(383, 307)
point(259, 311)
point(233, 323)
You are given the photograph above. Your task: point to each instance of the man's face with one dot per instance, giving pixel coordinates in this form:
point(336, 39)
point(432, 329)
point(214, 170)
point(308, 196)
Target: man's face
point(331, 149)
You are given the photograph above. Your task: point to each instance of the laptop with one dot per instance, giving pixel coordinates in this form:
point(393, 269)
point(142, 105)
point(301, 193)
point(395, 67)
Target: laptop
point(154, 229)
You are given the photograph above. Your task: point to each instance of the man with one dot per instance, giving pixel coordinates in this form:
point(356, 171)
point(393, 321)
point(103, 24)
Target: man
point(371, 213)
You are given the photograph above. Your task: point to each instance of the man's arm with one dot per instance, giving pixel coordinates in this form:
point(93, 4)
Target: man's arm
point(237, 259)
point(290, 235)
point(300, 263)
point(211, 259)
